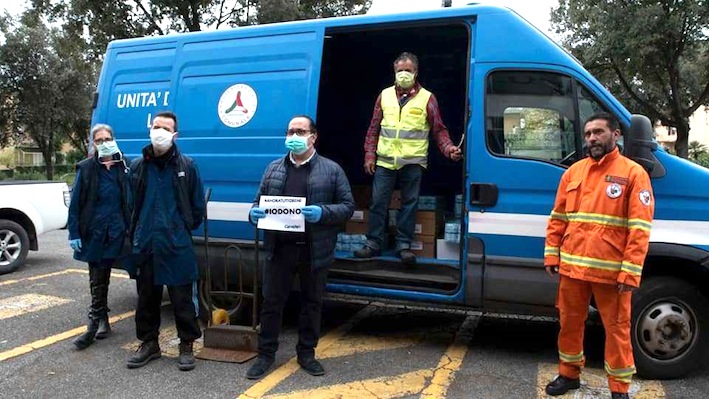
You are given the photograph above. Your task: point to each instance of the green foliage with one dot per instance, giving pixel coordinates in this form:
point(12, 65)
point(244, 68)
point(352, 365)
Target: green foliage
point(697, 150)
point(74, 156)
point(703, 160)
point(651, 54)
point(7, 157)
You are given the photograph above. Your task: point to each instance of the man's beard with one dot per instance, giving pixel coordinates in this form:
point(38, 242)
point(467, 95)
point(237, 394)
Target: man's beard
point(598, 151)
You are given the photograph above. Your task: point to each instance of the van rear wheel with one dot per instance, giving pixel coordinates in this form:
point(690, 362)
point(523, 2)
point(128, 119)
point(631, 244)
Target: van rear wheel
point(670, 328)
point(14, 245)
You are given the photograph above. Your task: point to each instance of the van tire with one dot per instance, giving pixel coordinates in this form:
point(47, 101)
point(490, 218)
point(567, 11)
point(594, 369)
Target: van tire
point(670, 328)
point(12, 234)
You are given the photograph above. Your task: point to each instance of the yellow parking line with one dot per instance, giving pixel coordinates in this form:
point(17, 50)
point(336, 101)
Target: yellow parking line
point(375, 388)
point(451, 361)
point(28, 303)
point(277, 376)
point(27, 348)
point(67, 271)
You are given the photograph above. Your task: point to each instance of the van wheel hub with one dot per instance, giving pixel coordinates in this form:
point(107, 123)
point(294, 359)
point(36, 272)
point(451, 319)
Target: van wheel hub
point(666, 329)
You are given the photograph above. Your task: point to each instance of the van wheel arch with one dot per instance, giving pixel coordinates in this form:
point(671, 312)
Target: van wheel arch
point(24, 221)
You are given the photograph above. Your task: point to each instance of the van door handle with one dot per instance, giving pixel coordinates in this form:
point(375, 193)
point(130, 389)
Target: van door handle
point(483, 194)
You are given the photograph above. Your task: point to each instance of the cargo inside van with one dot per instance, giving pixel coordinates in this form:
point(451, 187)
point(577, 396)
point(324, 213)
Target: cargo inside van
point(357, 64)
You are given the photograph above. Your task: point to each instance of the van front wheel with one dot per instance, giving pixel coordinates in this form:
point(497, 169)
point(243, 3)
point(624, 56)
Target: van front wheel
point(670, 328)
point(14, 245)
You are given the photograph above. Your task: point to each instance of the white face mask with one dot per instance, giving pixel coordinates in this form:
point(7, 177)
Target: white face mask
point(161, 139)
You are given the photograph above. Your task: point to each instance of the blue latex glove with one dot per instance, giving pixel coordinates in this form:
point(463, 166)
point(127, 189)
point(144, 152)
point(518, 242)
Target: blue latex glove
point(256, 213)
point(311, 213)
point(75, 244)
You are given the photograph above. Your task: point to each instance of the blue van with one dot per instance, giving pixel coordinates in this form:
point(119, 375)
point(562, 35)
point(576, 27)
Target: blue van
point(518, 97)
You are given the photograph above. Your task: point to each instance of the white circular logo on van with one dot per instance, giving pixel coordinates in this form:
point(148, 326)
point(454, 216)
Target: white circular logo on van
point(237, 105)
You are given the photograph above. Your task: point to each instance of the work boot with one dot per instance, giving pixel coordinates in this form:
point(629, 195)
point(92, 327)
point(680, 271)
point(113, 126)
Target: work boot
point(407, 257)
point(619, 395)
point(311, 366)
point(104, 328)
point(147, 351)
point(259, 369)
point(367, 252)
point(85, 340)
point(560, 385)
point(185, 361)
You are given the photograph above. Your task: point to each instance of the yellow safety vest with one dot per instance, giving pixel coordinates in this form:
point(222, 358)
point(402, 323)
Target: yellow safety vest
point(403, 137)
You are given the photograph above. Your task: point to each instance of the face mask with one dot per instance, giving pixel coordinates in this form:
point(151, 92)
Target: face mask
point(161, 139)
point(405, 79)
point(297, 144)
point(106, 149)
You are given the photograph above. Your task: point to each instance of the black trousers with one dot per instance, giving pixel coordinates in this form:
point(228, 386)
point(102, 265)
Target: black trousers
point(147, 314)
point(289, 259)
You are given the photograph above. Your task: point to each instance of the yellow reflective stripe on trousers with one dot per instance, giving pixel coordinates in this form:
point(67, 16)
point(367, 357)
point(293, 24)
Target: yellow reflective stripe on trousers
point(639, 224)
point(631, 268)
point(623, 375)
point(558, 216)
point(551, 251)
point(597, 218)
point(565, 357)
point(593, 263)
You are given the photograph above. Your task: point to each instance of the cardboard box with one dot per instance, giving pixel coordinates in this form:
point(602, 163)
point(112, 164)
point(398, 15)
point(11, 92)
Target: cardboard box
point(424, 246)
point(360, 216)
point(446, 250)
point(395, 201)
point(362, 196)
point(428, 223)
point(358, 223)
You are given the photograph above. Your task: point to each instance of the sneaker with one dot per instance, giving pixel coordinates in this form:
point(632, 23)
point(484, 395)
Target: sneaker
point(311, 366)
point(367, 252)
point(619, 395)
point(147, 351)
point(259, 369)
point(185, 361)
point(560, 385)
point(407, 257)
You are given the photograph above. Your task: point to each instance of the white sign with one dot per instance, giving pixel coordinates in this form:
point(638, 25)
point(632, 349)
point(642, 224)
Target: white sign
point(237, 105)
point(282, 213)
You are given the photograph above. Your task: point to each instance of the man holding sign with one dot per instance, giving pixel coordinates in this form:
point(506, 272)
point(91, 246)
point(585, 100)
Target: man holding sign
point(303, 202)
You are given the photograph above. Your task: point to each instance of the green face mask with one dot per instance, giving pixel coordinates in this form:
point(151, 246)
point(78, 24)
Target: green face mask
point(405, 79)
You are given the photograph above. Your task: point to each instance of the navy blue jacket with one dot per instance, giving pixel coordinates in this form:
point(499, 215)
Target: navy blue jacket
point(98, 211)
point(167, 204)
point(329, 188)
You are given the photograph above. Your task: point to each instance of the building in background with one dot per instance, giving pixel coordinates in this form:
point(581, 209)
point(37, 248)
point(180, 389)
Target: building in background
point(698, 130)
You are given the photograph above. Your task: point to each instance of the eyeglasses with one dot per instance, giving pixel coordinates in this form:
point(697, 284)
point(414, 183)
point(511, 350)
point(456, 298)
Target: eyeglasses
point(297, 132)
point(101, 141)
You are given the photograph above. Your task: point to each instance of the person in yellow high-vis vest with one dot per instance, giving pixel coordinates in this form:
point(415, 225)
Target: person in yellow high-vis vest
point(396, 147)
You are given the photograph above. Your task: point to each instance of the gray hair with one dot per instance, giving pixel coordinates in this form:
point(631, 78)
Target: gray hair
point(102, 126)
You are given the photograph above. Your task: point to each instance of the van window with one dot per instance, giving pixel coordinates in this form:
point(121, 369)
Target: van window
point(531, 115)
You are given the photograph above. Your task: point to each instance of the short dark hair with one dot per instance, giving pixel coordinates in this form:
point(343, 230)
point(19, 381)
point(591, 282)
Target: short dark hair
point(407, 56)
point(168, 114)
point(313, 128)
point(610, 119)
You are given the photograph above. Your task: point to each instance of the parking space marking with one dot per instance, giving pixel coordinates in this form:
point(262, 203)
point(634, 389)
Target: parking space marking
point(117, 274)
point(27, 348)
point(376, 388)
point(452, 360)
point(168, 341)
point(594, 385)
point(28, 303)
point(269, 382)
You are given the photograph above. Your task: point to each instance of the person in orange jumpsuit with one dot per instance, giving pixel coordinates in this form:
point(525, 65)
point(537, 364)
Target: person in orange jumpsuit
point(596, 240)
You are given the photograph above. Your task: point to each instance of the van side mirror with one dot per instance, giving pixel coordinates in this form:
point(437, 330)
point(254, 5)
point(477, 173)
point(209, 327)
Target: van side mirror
point(639, 144)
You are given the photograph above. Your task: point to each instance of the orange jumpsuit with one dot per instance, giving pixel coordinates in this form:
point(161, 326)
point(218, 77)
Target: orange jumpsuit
point(598, 235)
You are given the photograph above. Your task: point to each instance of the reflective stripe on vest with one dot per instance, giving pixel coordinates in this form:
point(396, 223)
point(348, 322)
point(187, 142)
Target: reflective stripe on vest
point(403, 137)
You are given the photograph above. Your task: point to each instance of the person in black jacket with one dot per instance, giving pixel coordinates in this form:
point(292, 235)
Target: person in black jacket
point(167, 203)
point(98, 216)
point(329, 204)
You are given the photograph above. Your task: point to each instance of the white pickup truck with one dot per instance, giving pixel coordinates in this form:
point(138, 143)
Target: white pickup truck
point(27, 210)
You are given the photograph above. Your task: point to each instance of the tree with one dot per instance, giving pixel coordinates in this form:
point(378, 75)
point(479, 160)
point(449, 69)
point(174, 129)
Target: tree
point(44, 85)
point(696, 150)
point(654, 55)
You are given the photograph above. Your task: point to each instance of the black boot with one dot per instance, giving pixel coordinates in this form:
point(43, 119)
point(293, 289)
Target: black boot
point(560, 385)
point(84, 340)
point(148, 350)
point(103, 279)
point(186, 360)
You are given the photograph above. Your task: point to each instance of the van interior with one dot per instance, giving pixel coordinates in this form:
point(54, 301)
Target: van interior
point(357, 64)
